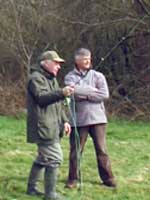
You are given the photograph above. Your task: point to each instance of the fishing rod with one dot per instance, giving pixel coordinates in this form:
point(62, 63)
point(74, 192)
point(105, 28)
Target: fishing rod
point(120, 41)
point(72, 111)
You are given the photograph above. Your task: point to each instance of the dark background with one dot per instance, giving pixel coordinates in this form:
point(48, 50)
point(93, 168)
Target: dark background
point(117, 30)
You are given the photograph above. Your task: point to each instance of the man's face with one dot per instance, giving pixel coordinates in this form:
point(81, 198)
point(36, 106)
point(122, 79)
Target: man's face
point(83, 62)
point(52, 67)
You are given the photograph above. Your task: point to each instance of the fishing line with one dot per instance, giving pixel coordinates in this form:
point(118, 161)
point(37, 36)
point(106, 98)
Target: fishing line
point(70, 103)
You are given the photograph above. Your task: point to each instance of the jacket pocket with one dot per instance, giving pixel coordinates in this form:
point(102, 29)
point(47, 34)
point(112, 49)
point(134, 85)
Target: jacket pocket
point(46, 132)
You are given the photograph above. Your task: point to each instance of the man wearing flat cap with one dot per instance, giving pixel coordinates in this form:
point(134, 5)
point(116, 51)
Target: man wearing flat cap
point(90, 92)
point(45, 119)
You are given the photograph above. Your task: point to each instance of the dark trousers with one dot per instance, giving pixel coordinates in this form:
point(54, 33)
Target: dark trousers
point(97, 132)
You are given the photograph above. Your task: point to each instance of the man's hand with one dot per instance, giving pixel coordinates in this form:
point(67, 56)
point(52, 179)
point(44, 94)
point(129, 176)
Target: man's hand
point(68, 91)
point(67, 128)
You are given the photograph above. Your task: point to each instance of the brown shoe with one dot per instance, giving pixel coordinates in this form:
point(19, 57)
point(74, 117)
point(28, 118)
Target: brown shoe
point(71, 184)
point(111, 184)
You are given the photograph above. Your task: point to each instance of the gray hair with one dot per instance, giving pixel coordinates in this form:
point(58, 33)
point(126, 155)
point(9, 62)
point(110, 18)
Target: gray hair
point(82, 52)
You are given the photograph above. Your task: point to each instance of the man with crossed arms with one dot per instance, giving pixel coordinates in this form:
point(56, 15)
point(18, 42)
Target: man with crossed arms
point(90, 92)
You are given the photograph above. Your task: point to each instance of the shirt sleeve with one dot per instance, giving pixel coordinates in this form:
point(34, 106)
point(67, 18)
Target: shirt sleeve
point(37, 87)
point(94, 94)
point(101, 92)
point(80, 93)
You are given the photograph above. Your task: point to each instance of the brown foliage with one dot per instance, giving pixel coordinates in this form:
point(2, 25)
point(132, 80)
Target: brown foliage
point(117, 31)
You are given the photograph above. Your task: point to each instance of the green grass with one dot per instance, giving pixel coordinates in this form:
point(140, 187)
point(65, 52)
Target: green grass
point(129, 149)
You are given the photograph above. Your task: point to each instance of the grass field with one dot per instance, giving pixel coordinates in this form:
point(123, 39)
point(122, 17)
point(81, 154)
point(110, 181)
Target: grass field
point(129, 149)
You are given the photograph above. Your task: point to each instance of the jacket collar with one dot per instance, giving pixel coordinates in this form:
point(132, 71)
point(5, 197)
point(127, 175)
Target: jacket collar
point(40, 69)
point(46, 74)
point(80, 73)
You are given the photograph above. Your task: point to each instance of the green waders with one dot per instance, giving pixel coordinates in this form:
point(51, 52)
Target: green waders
point(33, 180)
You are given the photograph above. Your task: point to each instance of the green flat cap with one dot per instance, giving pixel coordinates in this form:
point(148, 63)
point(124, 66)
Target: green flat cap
point(51, 55)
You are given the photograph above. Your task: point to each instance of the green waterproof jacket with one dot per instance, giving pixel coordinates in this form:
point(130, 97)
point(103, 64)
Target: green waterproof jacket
point(45, 116)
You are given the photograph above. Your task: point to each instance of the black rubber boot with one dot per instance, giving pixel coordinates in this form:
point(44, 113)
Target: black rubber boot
point(33, 180)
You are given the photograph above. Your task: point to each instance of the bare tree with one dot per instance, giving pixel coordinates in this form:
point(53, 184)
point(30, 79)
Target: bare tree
point(117, 32)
